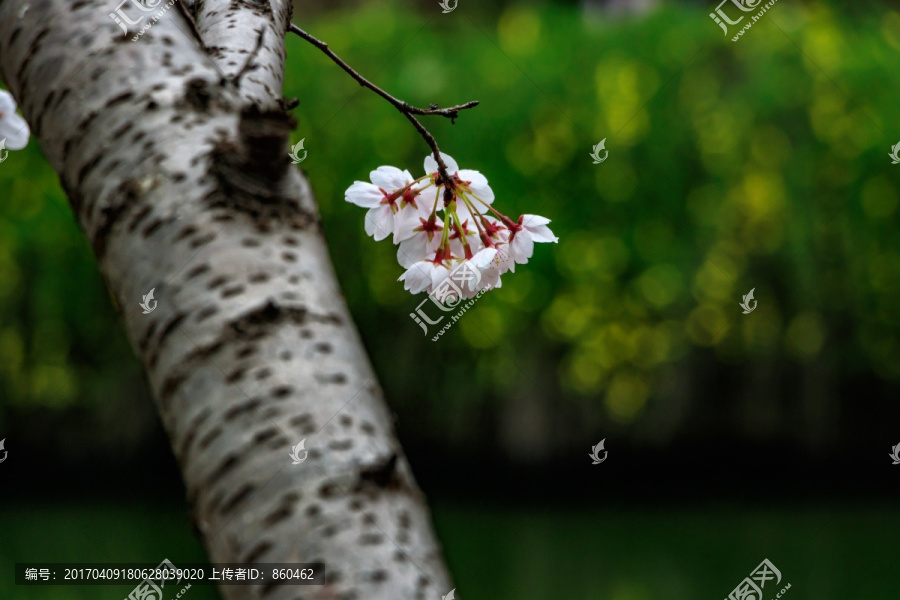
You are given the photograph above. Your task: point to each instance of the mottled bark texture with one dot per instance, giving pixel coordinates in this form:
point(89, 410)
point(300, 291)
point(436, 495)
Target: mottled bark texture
point(175, 159)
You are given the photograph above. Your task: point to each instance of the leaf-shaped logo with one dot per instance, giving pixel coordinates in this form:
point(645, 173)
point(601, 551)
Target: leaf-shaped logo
point(895, 456)
point(147, 299)
point(745, 303)
point(595, 452)
point(296, 450)
point(2, 442)
point(451, 595)
point(445, 4)
point(295, 152)
point(3, 151)
point(895, 154)
point(601, 146)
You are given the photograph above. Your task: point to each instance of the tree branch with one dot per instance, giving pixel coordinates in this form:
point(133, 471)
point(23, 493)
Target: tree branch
point(407, 109)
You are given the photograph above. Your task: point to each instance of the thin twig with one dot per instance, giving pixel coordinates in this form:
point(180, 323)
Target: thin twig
point(186, 13)
point(408, 110)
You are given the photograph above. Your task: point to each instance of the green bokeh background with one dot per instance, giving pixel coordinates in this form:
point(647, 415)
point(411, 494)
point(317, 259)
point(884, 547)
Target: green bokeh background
point(759, 164)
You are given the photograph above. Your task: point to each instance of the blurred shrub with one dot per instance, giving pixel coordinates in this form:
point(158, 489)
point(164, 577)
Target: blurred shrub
point(760, 164)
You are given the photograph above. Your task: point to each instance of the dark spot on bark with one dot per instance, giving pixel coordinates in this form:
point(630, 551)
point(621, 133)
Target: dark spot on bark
point(323, 347)
point(235, 376)
point(197, 271)
point(216, 282)
point(345, 420)
point(185, 232)
point(291, 241)
point(368, 519)
point(250, 243)
point(331, 577)
point(371, 539)
point(336, 378)
point(383, 475)
point(289, 256)
point(257, 551)
point(379, 576)
point(235, 290)
point(209, 438)
point(244, 407)
point(328, 491)
point(405, 520)
point(205, 313)
point(340, 445)
point(246, 351)
point(329, 531)
point(171, 384)
point(125, 196)
point(285, 355)
point(202, 240)
point(191, 432)
point(265, 435)
point(258, 278)
point(199, 94)
point(277, 516)
point(313, 510)
point(304, 421)
point(282, 391)
point(263, 373)
point(170, 327)
point(150, 229)
point(242, 494)
point(355, 504)
point(228, 464)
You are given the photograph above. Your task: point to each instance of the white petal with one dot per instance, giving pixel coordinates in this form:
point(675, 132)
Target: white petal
point(380, 222)
point(405, 222)
point(390, 179)
point(522, 247)
point(431, 165)
point(7, 102)
point(478, 183)
point(417, 278)
point(537, 227)
point(15, 130)
point(412, 250)
point(363, 194)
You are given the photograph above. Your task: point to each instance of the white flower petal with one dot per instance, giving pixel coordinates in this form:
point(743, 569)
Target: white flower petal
point(380, 222)
point(363, 194)
point(478, 183)
point(405, 222)
point(417, 278)
point(390, 179)
point(522, 247)
point(537, 227)
point(412, 250)
point(431, 165)
point(7, 102)
point(14, 130)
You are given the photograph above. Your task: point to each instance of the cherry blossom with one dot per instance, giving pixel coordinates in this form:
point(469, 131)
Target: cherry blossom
point(14, 132)
point(450, 237)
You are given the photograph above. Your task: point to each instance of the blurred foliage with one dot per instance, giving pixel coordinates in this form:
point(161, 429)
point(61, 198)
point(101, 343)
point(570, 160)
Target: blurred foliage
point(758, 164)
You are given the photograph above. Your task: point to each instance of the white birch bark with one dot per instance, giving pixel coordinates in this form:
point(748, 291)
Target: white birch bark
point(181, 181)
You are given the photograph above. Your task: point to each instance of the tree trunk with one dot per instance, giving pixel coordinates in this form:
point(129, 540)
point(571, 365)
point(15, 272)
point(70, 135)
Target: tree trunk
point(175, 160)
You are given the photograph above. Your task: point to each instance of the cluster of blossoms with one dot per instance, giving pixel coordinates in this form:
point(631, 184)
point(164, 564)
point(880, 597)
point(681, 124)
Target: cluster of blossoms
point(438, 230)
point(14, 131)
